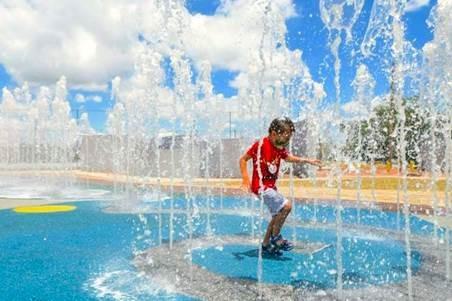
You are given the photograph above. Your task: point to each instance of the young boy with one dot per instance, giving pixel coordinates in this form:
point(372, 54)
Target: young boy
point(270, 151)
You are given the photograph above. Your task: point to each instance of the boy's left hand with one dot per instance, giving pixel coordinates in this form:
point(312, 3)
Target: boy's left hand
point(315, 162)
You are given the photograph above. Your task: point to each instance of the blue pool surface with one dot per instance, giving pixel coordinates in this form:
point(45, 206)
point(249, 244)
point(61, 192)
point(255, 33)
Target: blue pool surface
point(365, 262)
point(86, 254)
point(59, 256)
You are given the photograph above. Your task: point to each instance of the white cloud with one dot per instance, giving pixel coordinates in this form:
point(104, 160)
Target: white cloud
point(92, 42)
point(232, 39)
point(80, 98)
point(414, 5)
point(92, 87)
point(44, 39)
point(95, 98)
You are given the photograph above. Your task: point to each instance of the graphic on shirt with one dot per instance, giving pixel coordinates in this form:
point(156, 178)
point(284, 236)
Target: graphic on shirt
point(272, 167)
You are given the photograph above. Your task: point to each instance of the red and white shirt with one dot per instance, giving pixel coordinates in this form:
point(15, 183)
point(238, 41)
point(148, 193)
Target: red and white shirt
point(270, 160)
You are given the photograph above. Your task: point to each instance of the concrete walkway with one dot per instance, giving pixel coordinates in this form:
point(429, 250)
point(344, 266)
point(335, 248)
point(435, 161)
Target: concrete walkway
point(419, 196)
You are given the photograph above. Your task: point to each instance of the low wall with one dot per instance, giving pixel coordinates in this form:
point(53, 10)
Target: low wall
point(112, 154)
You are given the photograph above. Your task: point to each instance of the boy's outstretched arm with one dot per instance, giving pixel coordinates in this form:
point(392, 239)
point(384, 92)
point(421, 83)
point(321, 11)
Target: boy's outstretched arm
point(296, 159)
point(243, 169)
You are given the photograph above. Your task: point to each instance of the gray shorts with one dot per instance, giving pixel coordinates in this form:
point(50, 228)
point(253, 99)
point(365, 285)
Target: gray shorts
point(274, 200)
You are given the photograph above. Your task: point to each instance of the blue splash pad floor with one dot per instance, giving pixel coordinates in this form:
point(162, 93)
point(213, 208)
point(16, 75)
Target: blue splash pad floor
point(365, 262)
point(77, 255)
point(81, 255)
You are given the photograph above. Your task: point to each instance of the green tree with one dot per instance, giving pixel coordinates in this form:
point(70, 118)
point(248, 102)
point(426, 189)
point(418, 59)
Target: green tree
point(379, 133)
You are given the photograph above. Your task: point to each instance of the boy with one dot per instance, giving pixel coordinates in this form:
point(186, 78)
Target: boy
point(270, 151)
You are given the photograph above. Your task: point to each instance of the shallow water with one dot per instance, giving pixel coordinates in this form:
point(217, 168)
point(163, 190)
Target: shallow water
point(87, 254)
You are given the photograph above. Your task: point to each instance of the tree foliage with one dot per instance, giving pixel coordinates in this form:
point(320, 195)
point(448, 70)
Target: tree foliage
point(378, 137)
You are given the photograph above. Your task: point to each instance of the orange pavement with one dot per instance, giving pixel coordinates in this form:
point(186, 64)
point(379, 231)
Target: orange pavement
point(302, 189)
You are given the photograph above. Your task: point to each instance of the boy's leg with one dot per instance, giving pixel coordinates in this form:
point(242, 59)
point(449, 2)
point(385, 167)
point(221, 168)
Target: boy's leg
point(276, 223)
point(279, 219)
point(276, 238)
point(269, 232)
point(267, 247)
point(279, 208)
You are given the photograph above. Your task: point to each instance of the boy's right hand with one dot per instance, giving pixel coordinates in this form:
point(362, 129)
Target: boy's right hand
point(245, 186)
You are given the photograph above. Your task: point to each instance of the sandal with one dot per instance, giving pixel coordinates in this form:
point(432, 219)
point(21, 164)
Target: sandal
point(270, 250)
point(280, 243)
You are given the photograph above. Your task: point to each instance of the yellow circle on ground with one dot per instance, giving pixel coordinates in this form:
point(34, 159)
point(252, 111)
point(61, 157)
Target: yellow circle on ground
point(44, 209)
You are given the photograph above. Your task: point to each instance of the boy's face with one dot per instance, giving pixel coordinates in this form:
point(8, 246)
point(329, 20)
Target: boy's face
point(281, 139)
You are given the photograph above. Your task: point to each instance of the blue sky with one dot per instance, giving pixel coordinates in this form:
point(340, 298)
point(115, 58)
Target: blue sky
point(305, 31)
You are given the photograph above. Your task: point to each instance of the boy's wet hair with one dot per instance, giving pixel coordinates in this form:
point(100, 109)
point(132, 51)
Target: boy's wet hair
point(282, 124)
